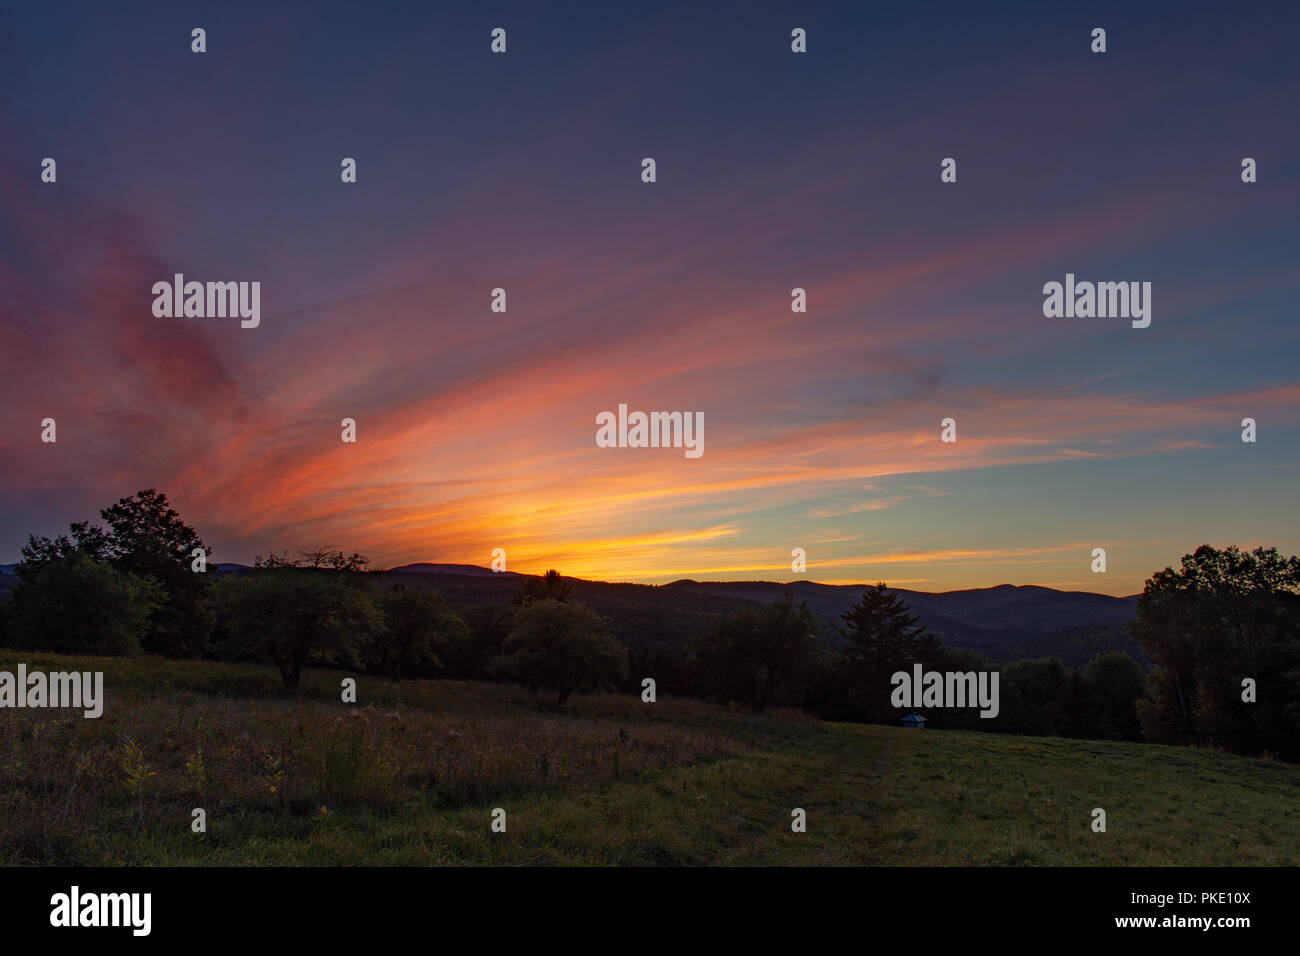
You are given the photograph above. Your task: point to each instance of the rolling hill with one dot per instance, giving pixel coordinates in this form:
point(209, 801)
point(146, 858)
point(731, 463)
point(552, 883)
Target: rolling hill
point(1003, 623)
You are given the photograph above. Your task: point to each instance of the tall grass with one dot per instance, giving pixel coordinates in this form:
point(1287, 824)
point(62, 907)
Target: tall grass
point(411, 774)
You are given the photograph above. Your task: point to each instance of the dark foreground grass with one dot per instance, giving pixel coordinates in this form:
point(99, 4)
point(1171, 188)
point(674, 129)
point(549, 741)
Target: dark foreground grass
point(411, 776)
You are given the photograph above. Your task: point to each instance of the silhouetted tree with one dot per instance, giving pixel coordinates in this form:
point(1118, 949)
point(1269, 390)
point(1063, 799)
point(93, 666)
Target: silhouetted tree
point(1224, 616)
point(146, 538)
point(472, 653)
point(87, 539)
point(562, 646)
point(1116, 680)
point(667, 665)
point(961, 660)
point(328, 558)
point(550, 586)
point(76, 605)
point(759, 658)
point(722, 658)
point(1029, 690)
point(883, 638)
point(417, 625)
point(1079, 713)
point(293, 616)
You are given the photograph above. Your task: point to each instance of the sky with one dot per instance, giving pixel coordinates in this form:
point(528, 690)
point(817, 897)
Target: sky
point(774, 170)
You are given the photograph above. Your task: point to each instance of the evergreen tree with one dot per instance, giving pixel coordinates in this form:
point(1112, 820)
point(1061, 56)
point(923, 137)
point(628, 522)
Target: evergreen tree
point(550, 586)
point(883, 638)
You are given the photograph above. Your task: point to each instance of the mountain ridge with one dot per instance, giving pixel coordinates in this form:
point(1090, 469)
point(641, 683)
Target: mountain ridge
point(1003, 622)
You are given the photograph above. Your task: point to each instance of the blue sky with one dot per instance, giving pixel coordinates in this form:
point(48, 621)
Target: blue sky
point(775, 170)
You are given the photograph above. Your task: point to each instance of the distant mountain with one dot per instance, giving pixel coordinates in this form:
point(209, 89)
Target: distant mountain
point(471, 570)
point(1003, 623)
point(1005, 607)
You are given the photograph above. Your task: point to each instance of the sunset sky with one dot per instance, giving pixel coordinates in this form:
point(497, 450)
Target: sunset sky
point(476, 429)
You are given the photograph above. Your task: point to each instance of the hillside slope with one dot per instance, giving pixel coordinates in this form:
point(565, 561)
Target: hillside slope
point(411, 776)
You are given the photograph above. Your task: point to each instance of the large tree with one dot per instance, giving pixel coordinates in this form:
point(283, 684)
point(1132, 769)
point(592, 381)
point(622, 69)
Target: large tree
point(87, 539)
point(292, 616)
point(417, 626)
point(76, 605)
point(471, 654)
point(563, 646)
point(146, 538)
point(1118, 683)
point(1030, 690)
point(883, 638)
point(1079, 711)
point(1225, 617)
point(759, 658)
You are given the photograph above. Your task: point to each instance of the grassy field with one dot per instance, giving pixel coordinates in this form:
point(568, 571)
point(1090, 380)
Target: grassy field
point(411, 775)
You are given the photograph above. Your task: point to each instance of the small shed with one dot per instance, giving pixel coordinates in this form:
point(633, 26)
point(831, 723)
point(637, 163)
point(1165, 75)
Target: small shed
point(914, 720)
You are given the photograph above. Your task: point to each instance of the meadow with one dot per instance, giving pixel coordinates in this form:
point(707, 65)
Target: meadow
point(410, 775)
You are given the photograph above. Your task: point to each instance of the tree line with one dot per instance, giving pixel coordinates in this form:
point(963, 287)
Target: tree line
point(1223, 633)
